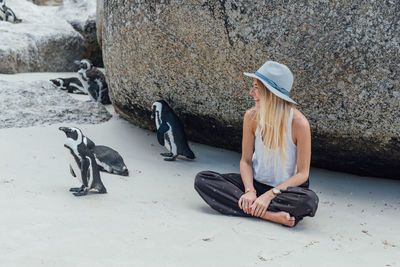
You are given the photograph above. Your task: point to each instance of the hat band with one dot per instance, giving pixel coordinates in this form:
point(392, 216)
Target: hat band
point(272, 83)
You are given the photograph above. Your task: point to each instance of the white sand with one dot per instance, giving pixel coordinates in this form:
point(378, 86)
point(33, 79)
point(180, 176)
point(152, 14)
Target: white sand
point(155, 217)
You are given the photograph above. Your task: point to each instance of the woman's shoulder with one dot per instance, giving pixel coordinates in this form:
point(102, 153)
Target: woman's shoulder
point(250, 118)
point(251, 110)
point(250, 114)
point(300, 121)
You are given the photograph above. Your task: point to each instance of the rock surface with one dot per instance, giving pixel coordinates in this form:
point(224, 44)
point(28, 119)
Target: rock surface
point(82, 16)
point(49, 38)
point(99, 21)
point(344, 55)
point(42, 42)
point(47, 2)
point(25, 104)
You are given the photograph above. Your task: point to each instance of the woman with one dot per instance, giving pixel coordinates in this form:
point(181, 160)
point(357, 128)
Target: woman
point(276, 152)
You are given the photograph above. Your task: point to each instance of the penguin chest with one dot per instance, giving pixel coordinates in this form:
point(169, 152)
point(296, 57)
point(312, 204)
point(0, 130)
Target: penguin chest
point(76, 168)
point(169, 141)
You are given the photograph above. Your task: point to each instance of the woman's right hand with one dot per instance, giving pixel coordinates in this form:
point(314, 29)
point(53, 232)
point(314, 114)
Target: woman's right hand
point(246, 200)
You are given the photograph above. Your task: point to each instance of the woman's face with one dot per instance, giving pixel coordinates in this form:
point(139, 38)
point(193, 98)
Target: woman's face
point(255, 92)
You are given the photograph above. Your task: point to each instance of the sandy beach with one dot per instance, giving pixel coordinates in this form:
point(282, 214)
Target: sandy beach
point(154, 217)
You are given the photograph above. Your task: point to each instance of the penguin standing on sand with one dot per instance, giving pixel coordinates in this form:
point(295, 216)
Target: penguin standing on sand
point(6, 14)
point(82, 163)
point(95, 81)
point(170, 132)
point(107, 159)
point(72, 85)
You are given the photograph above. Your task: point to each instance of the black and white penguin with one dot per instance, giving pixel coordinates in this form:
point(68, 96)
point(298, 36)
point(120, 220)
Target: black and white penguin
point(170, 132)
point(82, 163)
point(72, 85)
point(95, 81)
point(107, 158)
point(6, 14)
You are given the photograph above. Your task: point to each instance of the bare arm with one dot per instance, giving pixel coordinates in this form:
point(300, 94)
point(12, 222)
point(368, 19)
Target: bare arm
point(246, 165)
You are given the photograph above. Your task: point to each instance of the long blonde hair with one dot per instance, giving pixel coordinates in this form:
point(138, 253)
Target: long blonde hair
point(272, 118)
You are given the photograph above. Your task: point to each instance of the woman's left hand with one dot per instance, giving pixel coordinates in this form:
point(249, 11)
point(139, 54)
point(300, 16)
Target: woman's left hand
point(261, 204)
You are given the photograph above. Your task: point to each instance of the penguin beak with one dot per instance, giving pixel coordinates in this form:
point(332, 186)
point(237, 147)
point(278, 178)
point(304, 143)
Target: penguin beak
point(66, 130)
point(80, 64)
point(55, 82)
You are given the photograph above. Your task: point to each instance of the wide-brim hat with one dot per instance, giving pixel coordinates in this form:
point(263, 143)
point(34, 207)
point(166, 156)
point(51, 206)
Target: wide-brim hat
point(276, 77)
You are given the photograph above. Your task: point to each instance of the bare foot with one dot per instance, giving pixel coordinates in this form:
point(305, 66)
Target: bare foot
point(279, 217)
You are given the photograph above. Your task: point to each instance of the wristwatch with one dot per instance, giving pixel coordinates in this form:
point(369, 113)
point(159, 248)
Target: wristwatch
point(276, 191)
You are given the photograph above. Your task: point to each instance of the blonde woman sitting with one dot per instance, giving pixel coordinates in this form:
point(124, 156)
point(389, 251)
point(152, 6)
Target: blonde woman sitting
point(276, 152)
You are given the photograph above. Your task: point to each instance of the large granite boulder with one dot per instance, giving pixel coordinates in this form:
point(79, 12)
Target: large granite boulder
point(42, 42)
point(344, 56)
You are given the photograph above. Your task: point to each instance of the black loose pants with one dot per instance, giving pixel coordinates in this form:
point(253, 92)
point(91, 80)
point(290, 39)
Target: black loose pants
point(223, 191)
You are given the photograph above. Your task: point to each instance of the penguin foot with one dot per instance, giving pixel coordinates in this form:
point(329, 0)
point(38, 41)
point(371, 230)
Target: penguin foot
point(171, 159)
point(80, 193)
point(166, 154)
point(76, 189)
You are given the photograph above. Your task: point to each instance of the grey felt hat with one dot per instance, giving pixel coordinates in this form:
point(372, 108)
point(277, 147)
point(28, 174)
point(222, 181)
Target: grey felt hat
point(276, 77)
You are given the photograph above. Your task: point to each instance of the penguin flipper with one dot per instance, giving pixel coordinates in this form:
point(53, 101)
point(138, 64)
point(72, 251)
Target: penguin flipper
point(72, 171)
point(93, 90)
point(160, 133)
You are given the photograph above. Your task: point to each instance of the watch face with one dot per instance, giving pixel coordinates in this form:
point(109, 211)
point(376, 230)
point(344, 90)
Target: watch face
point(276, 191)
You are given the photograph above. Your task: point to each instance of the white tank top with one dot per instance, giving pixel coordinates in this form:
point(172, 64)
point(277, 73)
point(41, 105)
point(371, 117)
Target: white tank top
point(265, 171)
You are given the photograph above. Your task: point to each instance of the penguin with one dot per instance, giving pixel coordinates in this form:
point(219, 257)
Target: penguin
point(107, 159)
point(170, 132)
point(82, 163)
point(6, 14)
point(72, 85)
point(94, 80)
